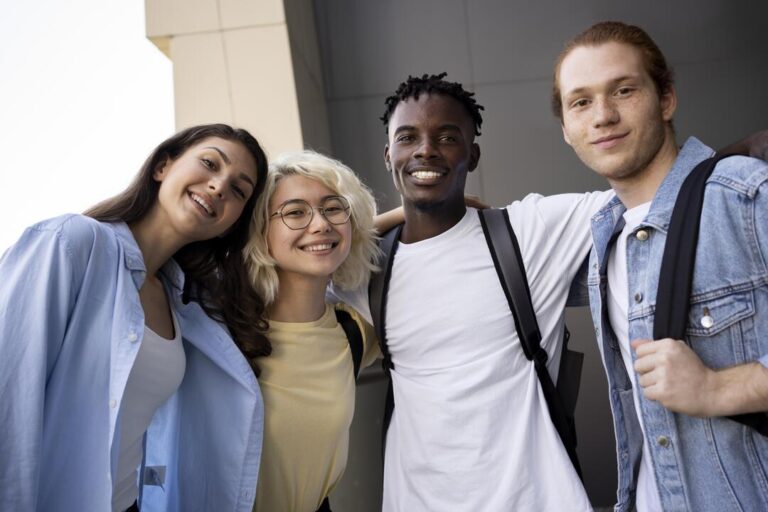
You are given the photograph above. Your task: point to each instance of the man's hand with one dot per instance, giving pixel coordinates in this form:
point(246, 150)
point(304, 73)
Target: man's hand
point(756, 145)
point(672, 374)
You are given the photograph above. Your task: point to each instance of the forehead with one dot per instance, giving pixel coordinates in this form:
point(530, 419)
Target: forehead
point(589, 66)
point(299, 187)
point(239, 157)
point(430, 110)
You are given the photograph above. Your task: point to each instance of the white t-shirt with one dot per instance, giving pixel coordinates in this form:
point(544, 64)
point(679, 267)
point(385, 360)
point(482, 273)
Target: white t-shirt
point(618, 304)
point(155, 376)
point(471, 430)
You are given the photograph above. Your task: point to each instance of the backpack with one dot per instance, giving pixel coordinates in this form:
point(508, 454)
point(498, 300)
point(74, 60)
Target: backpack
point(676, 274)
point(505, 251)
point(354, 338)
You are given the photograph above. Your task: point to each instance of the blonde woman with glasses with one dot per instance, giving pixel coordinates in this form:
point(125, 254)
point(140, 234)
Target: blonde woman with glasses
point(314, 224)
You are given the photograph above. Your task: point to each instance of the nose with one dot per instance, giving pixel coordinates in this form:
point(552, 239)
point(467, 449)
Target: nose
point(216, 186)
point(426, 149)
point(318, 223)
point(606, 112)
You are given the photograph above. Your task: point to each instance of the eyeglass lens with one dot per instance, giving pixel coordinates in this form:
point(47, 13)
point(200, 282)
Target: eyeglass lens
point(298, 214)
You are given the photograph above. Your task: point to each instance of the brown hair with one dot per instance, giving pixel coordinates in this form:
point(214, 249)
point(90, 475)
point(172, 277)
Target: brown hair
point(216, 275)
point(618, 32)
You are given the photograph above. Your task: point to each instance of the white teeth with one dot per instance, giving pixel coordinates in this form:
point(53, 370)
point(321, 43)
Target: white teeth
point(318, 247)
point(425, 175)
point(199, 200)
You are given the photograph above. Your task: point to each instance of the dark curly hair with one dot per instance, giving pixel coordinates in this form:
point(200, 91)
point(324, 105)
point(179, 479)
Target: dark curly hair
point(433, 84)
point(216, 275)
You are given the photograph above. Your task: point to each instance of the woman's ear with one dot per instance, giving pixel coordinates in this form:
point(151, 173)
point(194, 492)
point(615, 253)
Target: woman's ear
point(160, 170)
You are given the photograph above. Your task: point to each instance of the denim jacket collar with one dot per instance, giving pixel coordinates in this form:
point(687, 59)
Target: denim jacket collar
point(692, 152)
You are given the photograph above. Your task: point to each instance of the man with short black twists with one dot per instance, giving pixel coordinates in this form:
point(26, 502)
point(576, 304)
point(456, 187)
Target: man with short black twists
point(470, 429)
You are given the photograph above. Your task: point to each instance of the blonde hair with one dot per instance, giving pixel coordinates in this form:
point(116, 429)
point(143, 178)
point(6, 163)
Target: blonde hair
point(342, 180)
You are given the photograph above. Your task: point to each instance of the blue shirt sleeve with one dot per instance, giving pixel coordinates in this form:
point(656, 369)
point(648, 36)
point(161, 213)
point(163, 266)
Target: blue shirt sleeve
point(37, 290)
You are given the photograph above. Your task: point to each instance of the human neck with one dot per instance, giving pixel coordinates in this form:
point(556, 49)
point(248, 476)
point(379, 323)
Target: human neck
point(641, 186)
point(421, 224)
point(156, 247)
point(299, 299)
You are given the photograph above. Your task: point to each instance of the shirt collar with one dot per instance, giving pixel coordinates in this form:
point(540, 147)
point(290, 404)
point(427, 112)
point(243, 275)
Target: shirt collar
point(134, 261)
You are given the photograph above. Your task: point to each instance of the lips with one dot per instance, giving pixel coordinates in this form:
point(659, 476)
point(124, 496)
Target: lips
point(609, 141)
point(425, 174)
point(319, 247)
point(204, 204)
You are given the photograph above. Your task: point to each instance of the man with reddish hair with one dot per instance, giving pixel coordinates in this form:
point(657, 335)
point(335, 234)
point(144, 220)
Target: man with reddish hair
point(671, 399)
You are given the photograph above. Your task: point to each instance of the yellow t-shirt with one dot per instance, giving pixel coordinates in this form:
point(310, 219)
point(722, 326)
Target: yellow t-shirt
point(309, 400)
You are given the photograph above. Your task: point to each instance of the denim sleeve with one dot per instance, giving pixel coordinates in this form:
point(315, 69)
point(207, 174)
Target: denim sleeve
point(35, 297)
point(761, 229)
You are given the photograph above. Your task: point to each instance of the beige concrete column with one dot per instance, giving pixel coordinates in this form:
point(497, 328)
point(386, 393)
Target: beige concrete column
point(235, 61)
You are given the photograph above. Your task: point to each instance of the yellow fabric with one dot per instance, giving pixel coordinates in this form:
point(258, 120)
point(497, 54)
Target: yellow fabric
point(309, 400)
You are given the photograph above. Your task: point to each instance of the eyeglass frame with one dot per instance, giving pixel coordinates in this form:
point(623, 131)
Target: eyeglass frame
point(320, 209)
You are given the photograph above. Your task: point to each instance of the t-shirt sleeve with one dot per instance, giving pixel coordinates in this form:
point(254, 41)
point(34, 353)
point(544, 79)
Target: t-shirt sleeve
point(555, 229)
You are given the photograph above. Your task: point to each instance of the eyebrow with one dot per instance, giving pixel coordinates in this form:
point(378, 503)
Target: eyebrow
point(226, 159)
point(613, 82)
point(221, 153)
point(322, 199)
point(447, 126)
point(247, 178)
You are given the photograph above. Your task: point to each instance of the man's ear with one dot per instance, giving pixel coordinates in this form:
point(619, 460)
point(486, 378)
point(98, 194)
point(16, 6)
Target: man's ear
point(387, 162)
point(474, 156)
point(668, 103)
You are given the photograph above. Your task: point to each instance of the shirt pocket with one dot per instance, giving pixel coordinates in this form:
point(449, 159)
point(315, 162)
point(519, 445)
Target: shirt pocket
point(721, 329)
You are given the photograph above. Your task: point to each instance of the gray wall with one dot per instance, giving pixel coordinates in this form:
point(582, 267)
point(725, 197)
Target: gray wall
point(504, 50)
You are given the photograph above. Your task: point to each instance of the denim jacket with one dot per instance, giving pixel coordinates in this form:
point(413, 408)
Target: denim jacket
point(701, 464)
point(71, 324)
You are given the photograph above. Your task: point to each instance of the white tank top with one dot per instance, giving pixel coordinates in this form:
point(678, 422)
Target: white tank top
point(155, 376)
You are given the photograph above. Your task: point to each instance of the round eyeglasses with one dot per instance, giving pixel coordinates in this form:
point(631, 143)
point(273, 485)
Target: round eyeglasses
point(298, 214)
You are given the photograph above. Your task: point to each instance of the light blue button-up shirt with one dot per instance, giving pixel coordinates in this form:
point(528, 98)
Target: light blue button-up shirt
point(71, 324)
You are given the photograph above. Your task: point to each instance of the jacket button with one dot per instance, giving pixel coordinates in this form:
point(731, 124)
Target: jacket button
point(132, 337)
point(642, 235)
point(638, 297)
point(113, 403)
point(663, 441)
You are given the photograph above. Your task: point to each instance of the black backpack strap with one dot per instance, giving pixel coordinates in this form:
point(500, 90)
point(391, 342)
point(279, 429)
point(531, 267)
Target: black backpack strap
point(677, 264)
point(508, 261)
point(378, 287)
point(354, 337)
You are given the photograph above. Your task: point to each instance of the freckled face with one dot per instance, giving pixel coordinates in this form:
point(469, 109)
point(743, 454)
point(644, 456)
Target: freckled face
point(430, 151)
point(314, 252)
point(204, 190)
point(613, 116)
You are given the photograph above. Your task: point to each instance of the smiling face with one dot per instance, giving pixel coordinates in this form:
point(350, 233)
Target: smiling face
point(203, 191)
point(430, 151)
point(316, 251)
point(613, 116)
